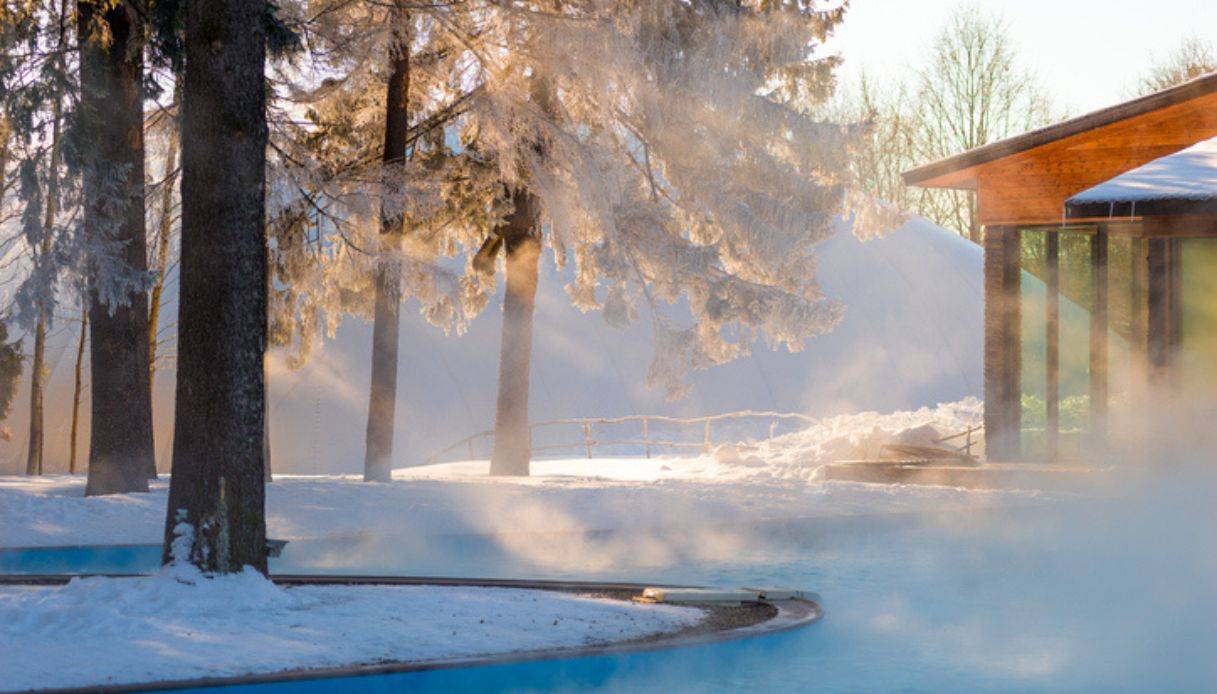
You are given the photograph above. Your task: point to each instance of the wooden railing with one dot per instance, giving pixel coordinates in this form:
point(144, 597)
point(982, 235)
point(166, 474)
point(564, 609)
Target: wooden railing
point(589, 441)
point(968, 437)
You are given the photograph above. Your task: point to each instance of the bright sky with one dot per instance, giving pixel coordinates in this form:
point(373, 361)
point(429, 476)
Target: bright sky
point(1087, 53)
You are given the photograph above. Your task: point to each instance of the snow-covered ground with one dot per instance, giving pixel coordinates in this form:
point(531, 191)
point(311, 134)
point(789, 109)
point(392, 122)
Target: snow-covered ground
point(180, 625)
point(736, 484)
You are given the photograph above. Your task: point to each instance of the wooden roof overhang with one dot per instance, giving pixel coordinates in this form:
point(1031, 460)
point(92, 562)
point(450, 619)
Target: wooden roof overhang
point(1025, 180)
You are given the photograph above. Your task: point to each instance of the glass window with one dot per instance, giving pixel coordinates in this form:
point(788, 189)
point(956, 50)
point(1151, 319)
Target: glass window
point(1032, 256)
point(1126, 316)
point(1077, 297)
point(1198, 320)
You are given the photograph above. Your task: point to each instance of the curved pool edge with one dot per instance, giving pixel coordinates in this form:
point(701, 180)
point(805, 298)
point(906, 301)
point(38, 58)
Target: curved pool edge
point(792, 613)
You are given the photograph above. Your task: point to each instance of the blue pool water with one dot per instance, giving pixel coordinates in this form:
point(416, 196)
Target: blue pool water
point(1039, 598)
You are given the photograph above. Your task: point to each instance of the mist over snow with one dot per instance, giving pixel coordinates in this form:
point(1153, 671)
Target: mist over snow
point(911, 336)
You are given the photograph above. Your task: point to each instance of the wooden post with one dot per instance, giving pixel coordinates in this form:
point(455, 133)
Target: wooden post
point(1052, 344)
point(1174, 274)
point(587, 438)
point(1003, 359)
point(1098, 334)
point(1158, 314)
point(646, 435)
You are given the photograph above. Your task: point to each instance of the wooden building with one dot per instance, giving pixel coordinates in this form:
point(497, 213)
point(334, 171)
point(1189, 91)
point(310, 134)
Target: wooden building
point(1100, 238)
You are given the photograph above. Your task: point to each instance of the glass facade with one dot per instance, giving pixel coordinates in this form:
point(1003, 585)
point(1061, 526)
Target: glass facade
point(1196, 364)
point(1075, 280)
point(1055, 341)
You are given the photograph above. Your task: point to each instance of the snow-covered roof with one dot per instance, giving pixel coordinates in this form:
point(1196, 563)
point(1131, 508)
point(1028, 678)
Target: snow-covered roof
point(1189, 175)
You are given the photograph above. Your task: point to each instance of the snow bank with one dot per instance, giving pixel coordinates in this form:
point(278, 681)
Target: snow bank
point(862, 436)
point(180, 625)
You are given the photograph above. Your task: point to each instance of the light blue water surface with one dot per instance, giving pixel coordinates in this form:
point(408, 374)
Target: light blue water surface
point(1033, 599)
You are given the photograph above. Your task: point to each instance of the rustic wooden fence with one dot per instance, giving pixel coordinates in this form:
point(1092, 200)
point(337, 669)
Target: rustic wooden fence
point(591, 438)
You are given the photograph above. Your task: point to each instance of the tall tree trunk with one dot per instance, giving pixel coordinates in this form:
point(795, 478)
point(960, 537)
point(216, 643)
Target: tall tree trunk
point(521, 236)
point(80, 357)
point(217, 492)
point(266, 420)
point(382, 400)
point(33, 461)
point(160, 263)
point(121, 453)
point(522, 249)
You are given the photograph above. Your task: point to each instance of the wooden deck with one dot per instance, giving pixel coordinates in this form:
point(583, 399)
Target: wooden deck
point(981, 476)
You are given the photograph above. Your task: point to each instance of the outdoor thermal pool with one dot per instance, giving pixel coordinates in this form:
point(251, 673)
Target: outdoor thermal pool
point(1061, 595)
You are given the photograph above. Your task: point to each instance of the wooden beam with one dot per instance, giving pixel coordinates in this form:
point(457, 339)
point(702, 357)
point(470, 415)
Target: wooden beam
point(1052, 343)
point(1158, 311)
point(1098, 334)
point(1177, 102)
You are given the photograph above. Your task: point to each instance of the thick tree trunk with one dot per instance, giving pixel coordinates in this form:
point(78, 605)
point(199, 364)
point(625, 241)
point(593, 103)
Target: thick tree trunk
point(121, 454)
point(382, 400)
point(522, 249)
point(217, 491)
point(77, 385)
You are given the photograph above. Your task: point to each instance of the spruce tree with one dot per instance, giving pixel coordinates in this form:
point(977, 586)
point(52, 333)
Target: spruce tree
point(111, 41)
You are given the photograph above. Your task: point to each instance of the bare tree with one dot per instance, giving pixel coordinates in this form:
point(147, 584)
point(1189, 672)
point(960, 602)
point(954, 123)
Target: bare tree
point(1194, 57)
point(890, 149)
point(970, 91)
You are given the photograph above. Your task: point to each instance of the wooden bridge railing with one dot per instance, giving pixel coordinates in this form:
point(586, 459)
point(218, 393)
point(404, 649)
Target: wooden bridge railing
point(646, 441)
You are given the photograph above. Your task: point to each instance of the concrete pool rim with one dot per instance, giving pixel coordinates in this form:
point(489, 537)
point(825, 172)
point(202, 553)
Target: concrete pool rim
point(790, 614)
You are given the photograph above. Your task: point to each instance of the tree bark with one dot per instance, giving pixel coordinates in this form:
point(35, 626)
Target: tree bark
point(522, 250)
point(77, 385)
point(121, 453)
point(217, 490)
point(382, 399)
point(33, 459)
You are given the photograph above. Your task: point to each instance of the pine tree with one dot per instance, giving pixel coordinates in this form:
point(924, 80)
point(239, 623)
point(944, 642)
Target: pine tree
point(111, 40)
point(37, 100)
point(10, 374)
point(371, 193)
point(607, 167)
point(217, 493)
point(646, 99)
point(385, 327)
